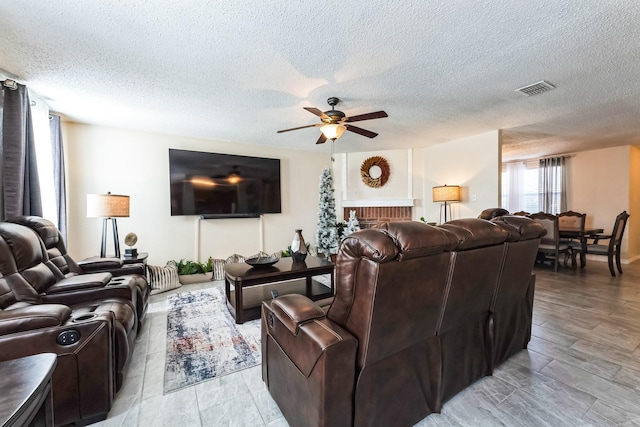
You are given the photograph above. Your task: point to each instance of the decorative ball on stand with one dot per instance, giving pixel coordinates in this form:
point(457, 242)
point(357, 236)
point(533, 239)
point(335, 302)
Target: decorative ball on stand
point(130, 239)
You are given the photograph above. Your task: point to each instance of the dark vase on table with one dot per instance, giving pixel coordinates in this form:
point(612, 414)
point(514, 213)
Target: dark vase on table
point(298, 247)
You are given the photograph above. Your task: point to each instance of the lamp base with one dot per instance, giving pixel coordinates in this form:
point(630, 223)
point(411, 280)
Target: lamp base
point(131, 253)
point(445, 206)
point(116, 243)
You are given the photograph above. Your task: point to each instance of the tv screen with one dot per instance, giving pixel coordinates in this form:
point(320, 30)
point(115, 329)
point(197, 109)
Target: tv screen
point(223, 185)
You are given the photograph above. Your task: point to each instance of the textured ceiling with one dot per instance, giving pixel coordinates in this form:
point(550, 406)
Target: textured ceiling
point(240, 70)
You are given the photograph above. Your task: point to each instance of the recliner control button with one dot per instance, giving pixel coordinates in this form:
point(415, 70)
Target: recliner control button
point(270, 320)
point(68, 337)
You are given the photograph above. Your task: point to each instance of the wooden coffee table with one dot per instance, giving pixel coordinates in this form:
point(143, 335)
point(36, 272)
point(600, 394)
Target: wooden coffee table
point(245, 299)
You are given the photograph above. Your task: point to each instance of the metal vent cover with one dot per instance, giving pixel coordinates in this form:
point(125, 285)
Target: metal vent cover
point(536, 88)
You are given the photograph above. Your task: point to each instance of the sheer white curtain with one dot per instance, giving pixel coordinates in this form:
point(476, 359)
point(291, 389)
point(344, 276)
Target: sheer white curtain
point(42, 140)
point(514, 199)
point(57, 151)
point(552, 194)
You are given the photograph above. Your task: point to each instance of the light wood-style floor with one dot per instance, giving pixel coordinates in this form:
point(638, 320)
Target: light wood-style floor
point(582, 368)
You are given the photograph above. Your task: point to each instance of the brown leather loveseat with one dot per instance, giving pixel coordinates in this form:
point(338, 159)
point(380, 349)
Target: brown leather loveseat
point(420, 313)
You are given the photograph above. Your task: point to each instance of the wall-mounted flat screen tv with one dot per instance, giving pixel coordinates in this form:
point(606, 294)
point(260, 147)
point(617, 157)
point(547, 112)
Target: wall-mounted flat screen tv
point(223, 185)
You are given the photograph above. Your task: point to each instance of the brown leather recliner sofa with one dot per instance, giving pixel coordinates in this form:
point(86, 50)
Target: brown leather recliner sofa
point(89, 321)
point(57, 251)
point(419, 314)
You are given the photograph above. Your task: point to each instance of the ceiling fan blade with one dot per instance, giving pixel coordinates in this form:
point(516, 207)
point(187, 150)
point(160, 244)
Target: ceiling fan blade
point(316, 112)
point(301, 127)
point(368, 116)
point(322, 139)
point(361, 131)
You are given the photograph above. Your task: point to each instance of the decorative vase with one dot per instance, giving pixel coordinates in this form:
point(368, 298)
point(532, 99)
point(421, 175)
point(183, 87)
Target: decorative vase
point(298, 247)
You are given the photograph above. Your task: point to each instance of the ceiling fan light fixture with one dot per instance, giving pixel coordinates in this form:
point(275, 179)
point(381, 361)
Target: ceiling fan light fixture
point(333, 122)
point(234, 177)
point(202, 181)
point(333, 131)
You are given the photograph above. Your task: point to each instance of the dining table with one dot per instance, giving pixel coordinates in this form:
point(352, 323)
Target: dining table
point(582, 236)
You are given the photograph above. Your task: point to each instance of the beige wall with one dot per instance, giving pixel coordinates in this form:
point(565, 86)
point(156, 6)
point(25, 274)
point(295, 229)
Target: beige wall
point(600, 185)
point(473, 163)
point(101, 159)
point(397, 187)
point(633, 225)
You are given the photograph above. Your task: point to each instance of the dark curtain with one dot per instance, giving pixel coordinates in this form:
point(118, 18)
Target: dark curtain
point(20, 185)
point(552, 180)
point(57, 152)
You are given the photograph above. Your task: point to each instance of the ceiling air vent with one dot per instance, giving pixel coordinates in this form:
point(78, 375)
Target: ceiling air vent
point(536, 88)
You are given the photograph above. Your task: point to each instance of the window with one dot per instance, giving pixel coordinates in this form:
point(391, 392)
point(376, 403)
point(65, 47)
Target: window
point(552, 181)
point(44, 157)
point(520, 186)
point(535, 185)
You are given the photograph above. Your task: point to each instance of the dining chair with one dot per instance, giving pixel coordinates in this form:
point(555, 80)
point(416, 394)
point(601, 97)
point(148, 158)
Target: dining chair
point(571, 229)
point(615, 241)
point(521, 213)
point(550, 245)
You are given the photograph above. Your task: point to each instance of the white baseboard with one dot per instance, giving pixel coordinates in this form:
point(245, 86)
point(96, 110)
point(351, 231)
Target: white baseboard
point(602, 258)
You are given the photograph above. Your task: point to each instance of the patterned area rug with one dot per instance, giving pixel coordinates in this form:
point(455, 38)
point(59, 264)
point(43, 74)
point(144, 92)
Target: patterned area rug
point(203, 340)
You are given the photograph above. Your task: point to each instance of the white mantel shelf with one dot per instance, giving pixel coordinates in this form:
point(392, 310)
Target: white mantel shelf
point(376, 203)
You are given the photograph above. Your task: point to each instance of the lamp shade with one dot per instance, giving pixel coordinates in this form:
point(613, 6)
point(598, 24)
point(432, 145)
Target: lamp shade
point(333, 131)
point(446, 193)
point(107, 206)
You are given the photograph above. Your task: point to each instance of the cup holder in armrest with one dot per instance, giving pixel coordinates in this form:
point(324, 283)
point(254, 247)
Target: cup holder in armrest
point(84, 317)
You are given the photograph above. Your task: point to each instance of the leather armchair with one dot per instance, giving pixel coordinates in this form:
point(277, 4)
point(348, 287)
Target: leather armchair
point(412, 323)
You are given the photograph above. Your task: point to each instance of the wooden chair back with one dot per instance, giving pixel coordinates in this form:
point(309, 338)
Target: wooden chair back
point(550, 223)
point(571, 220)
point(612, 250)
point(618, 229)
point(550, 243)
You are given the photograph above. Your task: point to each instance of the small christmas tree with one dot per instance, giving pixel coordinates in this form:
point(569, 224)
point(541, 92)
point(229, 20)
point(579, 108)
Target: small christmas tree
point(352, 224)
point(327, 234)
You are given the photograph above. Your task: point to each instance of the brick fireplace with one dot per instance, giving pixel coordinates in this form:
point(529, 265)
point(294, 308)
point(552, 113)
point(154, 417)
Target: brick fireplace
point(368, 216)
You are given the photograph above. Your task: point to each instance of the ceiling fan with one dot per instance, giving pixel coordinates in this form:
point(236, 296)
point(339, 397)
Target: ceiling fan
point(334, 123)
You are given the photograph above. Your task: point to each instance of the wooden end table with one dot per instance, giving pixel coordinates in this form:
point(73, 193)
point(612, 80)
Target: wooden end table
point(244, 301)
point(141, 258)
point(27, 396)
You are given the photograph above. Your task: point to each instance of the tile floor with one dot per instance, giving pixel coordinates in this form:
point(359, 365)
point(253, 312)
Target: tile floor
point(582, 368)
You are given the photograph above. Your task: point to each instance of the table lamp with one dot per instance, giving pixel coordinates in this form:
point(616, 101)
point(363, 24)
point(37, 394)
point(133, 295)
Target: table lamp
point(108, 207)
point(445, 194)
